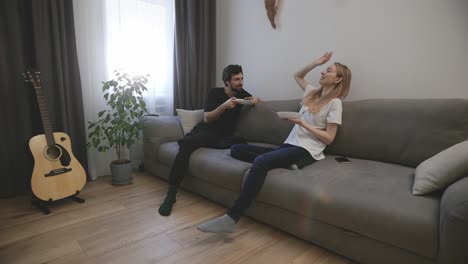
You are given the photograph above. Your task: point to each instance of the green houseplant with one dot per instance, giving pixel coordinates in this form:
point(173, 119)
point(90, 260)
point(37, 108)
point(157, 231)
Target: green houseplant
point(119, 125)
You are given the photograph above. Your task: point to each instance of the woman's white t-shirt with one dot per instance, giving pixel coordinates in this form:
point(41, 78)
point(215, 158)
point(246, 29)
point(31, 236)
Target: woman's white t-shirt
point(299, 136)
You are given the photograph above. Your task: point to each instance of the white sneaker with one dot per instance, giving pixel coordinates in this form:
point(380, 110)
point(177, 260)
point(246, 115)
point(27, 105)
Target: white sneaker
point(293, 167)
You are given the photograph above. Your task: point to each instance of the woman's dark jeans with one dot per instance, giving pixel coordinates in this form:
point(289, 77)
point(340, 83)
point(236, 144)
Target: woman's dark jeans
point(264, 159)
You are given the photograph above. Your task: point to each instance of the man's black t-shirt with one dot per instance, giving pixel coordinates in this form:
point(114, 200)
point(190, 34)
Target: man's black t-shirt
point(226, 123)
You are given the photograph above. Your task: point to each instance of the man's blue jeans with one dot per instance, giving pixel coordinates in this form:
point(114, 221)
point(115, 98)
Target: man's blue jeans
point(264, 159)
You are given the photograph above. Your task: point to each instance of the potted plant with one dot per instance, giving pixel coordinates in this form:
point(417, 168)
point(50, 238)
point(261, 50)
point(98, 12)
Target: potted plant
point(119, 126)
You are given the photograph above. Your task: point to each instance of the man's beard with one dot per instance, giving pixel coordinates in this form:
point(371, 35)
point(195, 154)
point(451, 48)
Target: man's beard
point(237, 90)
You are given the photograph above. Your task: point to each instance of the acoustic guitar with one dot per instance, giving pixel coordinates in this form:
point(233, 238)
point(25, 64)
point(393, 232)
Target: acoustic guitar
point(57, 174)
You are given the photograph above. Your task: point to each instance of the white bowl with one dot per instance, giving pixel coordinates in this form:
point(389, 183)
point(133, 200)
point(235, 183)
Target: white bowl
point(244, 101)
point(292, 115)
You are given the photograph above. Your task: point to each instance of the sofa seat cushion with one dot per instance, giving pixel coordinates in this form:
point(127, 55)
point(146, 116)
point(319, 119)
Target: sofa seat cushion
point(212, 165)
point(367, 197)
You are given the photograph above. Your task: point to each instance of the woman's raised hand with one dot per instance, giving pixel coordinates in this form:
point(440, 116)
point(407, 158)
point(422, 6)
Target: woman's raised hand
point(325, 57)
point(299, 75)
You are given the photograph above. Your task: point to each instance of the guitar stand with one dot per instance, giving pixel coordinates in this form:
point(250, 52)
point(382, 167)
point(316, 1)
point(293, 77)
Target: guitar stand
point(76, 199)
point(44, 205)
point(41, 205)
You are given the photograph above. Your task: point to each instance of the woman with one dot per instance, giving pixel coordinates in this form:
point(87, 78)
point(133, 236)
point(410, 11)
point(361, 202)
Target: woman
point(316, 128)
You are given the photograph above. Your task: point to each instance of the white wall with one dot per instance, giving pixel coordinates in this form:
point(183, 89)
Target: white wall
point(395, 49)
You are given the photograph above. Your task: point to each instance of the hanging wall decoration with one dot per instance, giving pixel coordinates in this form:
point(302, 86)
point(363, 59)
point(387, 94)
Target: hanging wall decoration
point(271, 7)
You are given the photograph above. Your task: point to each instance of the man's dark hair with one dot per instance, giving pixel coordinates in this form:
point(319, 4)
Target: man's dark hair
point(231, 70)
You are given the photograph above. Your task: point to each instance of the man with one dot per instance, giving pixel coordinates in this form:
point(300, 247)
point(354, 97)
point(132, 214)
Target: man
point(216, 131)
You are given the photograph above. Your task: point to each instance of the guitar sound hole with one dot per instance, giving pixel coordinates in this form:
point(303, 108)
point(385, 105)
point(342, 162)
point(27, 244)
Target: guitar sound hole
point(53, 153)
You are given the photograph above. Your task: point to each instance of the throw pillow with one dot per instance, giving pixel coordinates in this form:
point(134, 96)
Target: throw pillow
point(442, 169)
point(190, 118)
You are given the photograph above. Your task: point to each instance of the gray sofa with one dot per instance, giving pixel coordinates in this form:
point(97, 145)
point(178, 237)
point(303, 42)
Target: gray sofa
point(363, 210)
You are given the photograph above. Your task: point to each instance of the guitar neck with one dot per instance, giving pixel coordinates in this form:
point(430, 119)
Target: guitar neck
point(41, 100)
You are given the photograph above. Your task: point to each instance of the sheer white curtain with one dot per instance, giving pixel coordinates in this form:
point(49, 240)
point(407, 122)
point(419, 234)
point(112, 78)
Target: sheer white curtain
point(132, 35)
point(140, 40)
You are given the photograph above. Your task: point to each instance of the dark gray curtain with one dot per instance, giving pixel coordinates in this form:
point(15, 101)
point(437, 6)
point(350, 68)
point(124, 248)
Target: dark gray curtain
point(38, 34)
point(195, 52)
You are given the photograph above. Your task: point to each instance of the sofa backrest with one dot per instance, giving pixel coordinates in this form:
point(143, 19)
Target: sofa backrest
point(400, 131)
point(260, 123)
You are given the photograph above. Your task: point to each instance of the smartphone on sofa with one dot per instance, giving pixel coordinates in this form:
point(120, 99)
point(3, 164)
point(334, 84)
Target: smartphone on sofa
point(342, 160)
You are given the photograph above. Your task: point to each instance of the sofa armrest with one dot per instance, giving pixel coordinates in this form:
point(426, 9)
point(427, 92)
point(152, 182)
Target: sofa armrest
point(158, 130)
point(453, 237)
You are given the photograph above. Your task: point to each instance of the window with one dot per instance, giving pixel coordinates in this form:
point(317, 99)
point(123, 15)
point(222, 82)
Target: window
point(140, 40)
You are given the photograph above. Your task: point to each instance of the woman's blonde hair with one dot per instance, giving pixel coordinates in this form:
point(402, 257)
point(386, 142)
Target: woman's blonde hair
point(315, 101)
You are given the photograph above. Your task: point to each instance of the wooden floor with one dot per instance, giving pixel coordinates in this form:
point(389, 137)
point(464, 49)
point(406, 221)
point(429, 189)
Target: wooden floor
point(121, 225)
